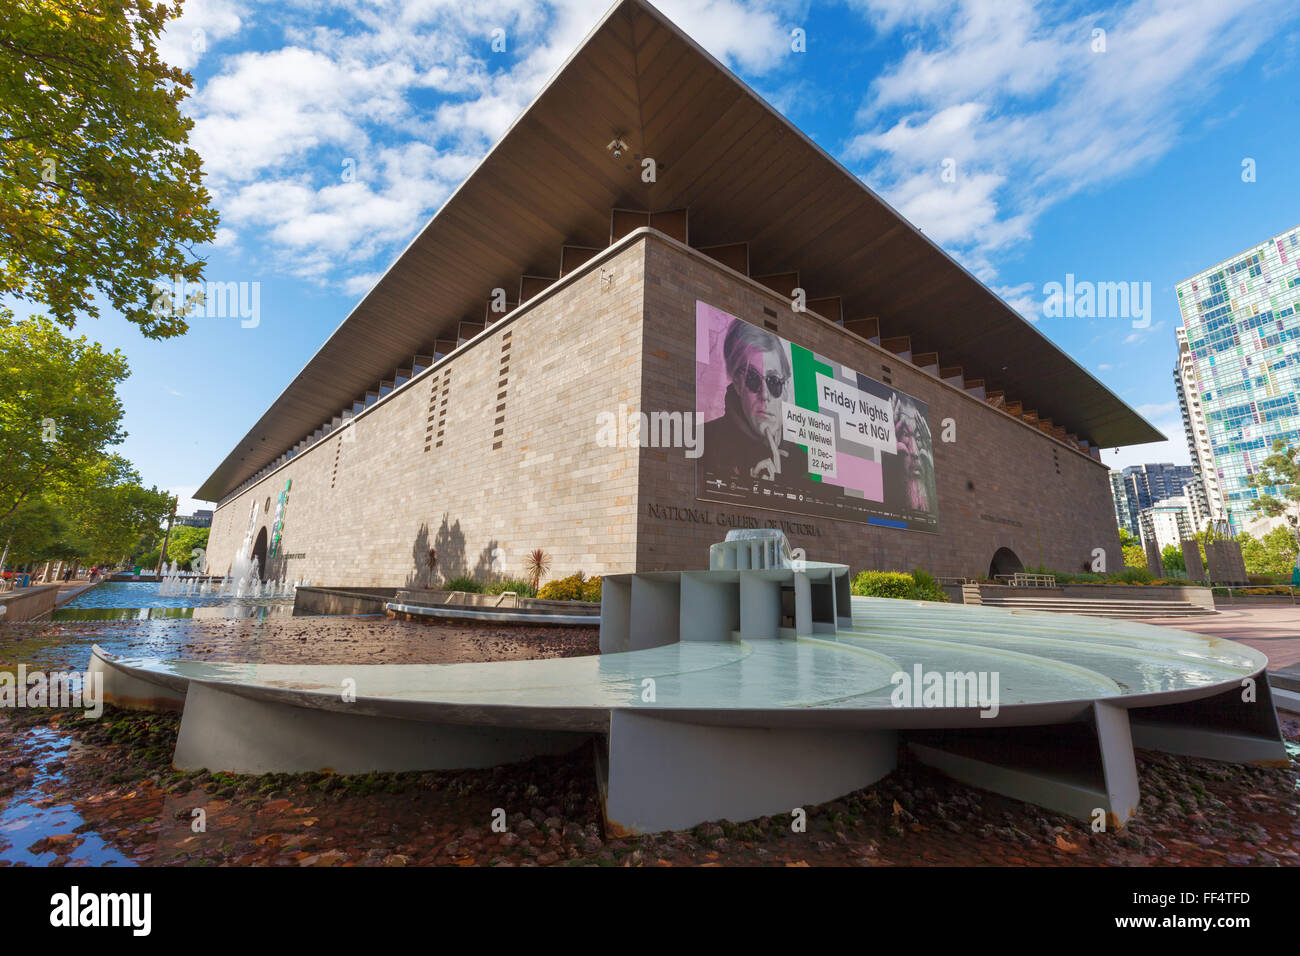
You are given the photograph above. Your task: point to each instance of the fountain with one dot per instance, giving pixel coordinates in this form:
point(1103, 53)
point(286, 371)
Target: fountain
point(768, 659)
point(243, 581)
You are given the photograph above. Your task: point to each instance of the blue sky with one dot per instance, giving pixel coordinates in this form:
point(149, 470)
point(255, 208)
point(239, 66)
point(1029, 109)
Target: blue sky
point(1114, 164)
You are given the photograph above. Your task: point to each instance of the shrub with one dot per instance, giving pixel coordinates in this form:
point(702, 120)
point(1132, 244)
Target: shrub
point(917, 586)
point(520, 586)
point(1280, 589)
point(1079, 577)
point(537, 566)
point(1135, 576)
point(564, 589)
point(886, 584)
point(463, 583)
point(926, 587)
point(591, 590)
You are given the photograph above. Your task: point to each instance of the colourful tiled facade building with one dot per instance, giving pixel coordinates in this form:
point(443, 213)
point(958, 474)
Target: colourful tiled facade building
point(1241, 318)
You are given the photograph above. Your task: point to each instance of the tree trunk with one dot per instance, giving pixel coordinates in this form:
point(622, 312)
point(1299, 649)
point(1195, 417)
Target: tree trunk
point(162, 555)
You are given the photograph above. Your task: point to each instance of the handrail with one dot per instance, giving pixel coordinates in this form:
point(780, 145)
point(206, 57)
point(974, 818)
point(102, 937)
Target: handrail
point(1022, 580)
point(464, 598)
point(1250, 587)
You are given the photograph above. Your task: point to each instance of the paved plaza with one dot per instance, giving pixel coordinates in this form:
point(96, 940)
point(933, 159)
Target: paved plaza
point(1272, 630)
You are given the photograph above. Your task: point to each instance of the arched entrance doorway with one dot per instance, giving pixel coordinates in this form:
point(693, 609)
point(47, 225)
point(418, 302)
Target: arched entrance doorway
point(1005, 562)
point(259, 552)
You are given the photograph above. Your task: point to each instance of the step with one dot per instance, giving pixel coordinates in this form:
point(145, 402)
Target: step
point(1029, 602)
point(1084, 601)
point(1147, 606)
point(1098, 608)
point(1089, 602)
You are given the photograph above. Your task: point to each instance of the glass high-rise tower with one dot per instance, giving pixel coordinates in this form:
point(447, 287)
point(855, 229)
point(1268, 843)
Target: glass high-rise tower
point(1241, 322)
point(1139, 487)
point(1205, 494)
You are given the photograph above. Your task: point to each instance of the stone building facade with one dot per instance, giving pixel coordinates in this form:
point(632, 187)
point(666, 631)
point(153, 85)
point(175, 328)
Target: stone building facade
point(496, 450)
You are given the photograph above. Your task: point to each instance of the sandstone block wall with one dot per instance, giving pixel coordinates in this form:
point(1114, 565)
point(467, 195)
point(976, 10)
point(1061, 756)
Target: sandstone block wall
point(1001, 483)
point(365, 509)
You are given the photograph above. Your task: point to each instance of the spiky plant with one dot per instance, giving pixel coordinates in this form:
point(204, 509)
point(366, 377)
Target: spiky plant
point(537, 566)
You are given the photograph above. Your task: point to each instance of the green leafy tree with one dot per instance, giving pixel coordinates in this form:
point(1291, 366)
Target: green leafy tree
point(1280, 470)
point(149, 544)
point(1171, 557)
point(109, 507)
point(33, 532)
point(1273, 555)
point(1131, 547)
point(1252, 553)
point(1282, 550)
point(182, 544)
point(101, 192)
point(59, 407)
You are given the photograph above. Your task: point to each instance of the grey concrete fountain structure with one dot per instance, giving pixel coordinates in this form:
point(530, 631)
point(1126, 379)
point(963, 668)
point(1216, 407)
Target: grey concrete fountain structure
point(750, 689)
point(752, 576)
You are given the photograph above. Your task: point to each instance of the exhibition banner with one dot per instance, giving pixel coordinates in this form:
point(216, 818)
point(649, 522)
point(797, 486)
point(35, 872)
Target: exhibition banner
point(789, 430)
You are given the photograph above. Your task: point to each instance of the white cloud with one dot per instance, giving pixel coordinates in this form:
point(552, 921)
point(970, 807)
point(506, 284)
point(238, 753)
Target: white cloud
point(950, 212)
point(1000, 45)
point(756, 40)
point(1013, 92)
point(1024, 299)
point(887, 14)
point(335, 142)
point(1143, 334)
point(201, 24)
point(359, 285)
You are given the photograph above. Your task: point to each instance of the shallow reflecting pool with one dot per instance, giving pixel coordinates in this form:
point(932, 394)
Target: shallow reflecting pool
point(229, 609)
point(140, 600)
point(131, 617)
